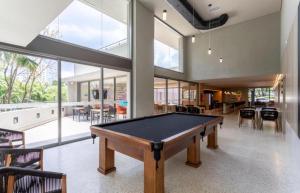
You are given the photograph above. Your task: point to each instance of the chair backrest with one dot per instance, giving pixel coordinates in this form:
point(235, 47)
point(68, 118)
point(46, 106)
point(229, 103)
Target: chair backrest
point(181, 109)
point(269, 108)
point(15, 138)
point(193, 110)
point(120, 109)
point(247, 113)
point(24, 158)
point(19, 180)
point(269, 115)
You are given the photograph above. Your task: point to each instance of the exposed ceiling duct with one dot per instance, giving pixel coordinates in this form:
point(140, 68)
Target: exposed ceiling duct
point(191, 15)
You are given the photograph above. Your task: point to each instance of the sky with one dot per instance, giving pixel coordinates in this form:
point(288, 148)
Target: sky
point(83, 25)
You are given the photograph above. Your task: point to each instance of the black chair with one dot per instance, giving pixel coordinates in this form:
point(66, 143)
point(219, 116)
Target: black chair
point(20, 180)
point(269, 108)
point(11, 138)
point(181, 109)
point(24, 158)
point(269, 115)
point(247, 114)
point(85, 112)
point(193, 110)
point(109, 115)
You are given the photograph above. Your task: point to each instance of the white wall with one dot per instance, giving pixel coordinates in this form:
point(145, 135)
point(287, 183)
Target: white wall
point(143, 59)
point(289, 62)
point(289, 10)
point(249, 49)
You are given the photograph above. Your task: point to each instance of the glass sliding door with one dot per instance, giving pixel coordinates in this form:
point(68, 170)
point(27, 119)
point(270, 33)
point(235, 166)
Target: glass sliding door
point(160, 95)
point(29, 97)
point(116, 91)
point(80, 85)
point(173, 95)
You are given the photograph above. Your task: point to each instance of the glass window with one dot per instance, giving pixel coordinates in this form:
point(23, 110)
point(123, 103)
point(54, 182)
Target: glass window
point(173, 95)
point(160, 99)
point(185, 93)
point(116, 94)
point(101, 25)
point(29, 97)
point(167, 45)
point(80, 94)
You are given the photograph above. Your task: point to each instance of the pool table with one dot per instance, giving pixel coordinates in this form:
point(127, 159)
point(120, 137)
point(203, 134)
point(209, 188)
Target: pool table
point(153, 140)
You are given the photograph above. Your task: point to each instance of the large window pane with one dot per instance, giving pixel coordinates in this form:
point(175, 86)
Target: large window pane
point(101, 25)
point(80, 94)
point(193, 94)
point(160, 99)
point(116, 95)
point(29, 97)
point(167, 46)
point(185, 93)
point(173, 94)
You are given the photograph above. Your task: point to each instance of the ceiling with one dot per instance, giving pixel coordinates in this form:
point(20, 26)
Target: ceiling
point(244, 82)
point(22, 21)
point(238, 10)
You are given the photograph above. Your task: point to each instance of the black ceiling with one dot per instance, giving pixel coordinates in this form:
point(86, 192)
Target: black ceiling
point(191, 15)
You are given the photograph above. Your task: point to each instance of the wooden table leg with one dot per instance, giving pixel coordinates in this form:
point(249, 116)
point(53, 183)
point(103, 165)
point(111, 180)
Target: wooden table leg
point(193, 153)
point(153, 173)
point(212, 139)
point(106, 157)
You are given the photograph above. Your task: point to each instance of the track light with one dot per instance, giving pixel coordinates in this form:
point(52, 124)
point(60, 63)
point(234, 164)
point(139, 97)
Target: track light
point(193, 39)
point(164, 15)
point(209, 51)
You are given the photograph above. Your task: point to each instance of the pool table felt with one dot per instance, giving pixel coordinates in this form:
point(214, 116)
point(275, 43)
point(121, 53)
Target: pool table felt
point(158, 128)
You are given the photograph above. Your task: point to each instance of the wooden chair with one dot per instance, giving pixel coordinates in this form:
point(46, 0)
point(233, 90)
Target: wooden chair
point(11, 138)
point(269, 115)
point(20, 180)
point(247, 114)
point(23, 158)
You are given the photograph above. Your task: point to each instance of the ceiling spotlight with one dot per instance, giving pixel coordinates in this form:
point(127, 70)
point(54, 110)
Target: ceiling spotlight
point(209, 51)
point(164, 15)
point(193, 39)
point(221, 60)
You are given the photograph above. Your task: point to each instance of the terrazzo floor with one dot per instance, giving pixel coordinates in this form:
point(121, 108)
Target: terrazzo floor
point(247, 161)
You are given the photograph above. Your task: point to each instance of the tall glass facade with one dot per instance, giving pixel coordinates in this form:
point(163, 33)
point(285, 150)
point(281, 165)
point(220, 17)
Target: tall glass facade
point(30, 100)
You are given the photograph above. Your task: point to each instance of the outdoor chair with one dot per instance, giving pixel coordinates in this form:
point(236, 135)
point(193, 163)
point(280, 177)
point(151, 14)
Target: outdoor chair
point(11, 138)
point(20, 180)
point(85, 112)
point(121, 111)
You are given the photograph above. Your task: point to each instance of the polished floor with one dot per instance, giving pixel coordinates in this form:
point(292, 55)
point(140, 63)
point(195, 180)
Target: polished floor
point(247, 161)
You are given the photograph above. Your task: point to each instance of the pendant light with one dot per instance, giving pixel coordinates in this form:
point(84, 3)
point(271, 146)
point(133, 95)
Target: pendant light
point(164, 15)
point(193, 37)
point(209, 41)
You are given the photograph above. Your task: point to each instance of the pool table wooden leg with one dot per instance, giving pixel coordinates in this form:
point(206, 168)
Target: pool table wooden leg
point(193, 153)
point(212, 139)
point(106, 157)
point(153, 173)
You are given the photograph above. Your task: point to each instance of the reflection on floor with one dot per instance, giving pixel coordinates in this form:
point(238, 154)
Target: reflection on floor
point(247, 161)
